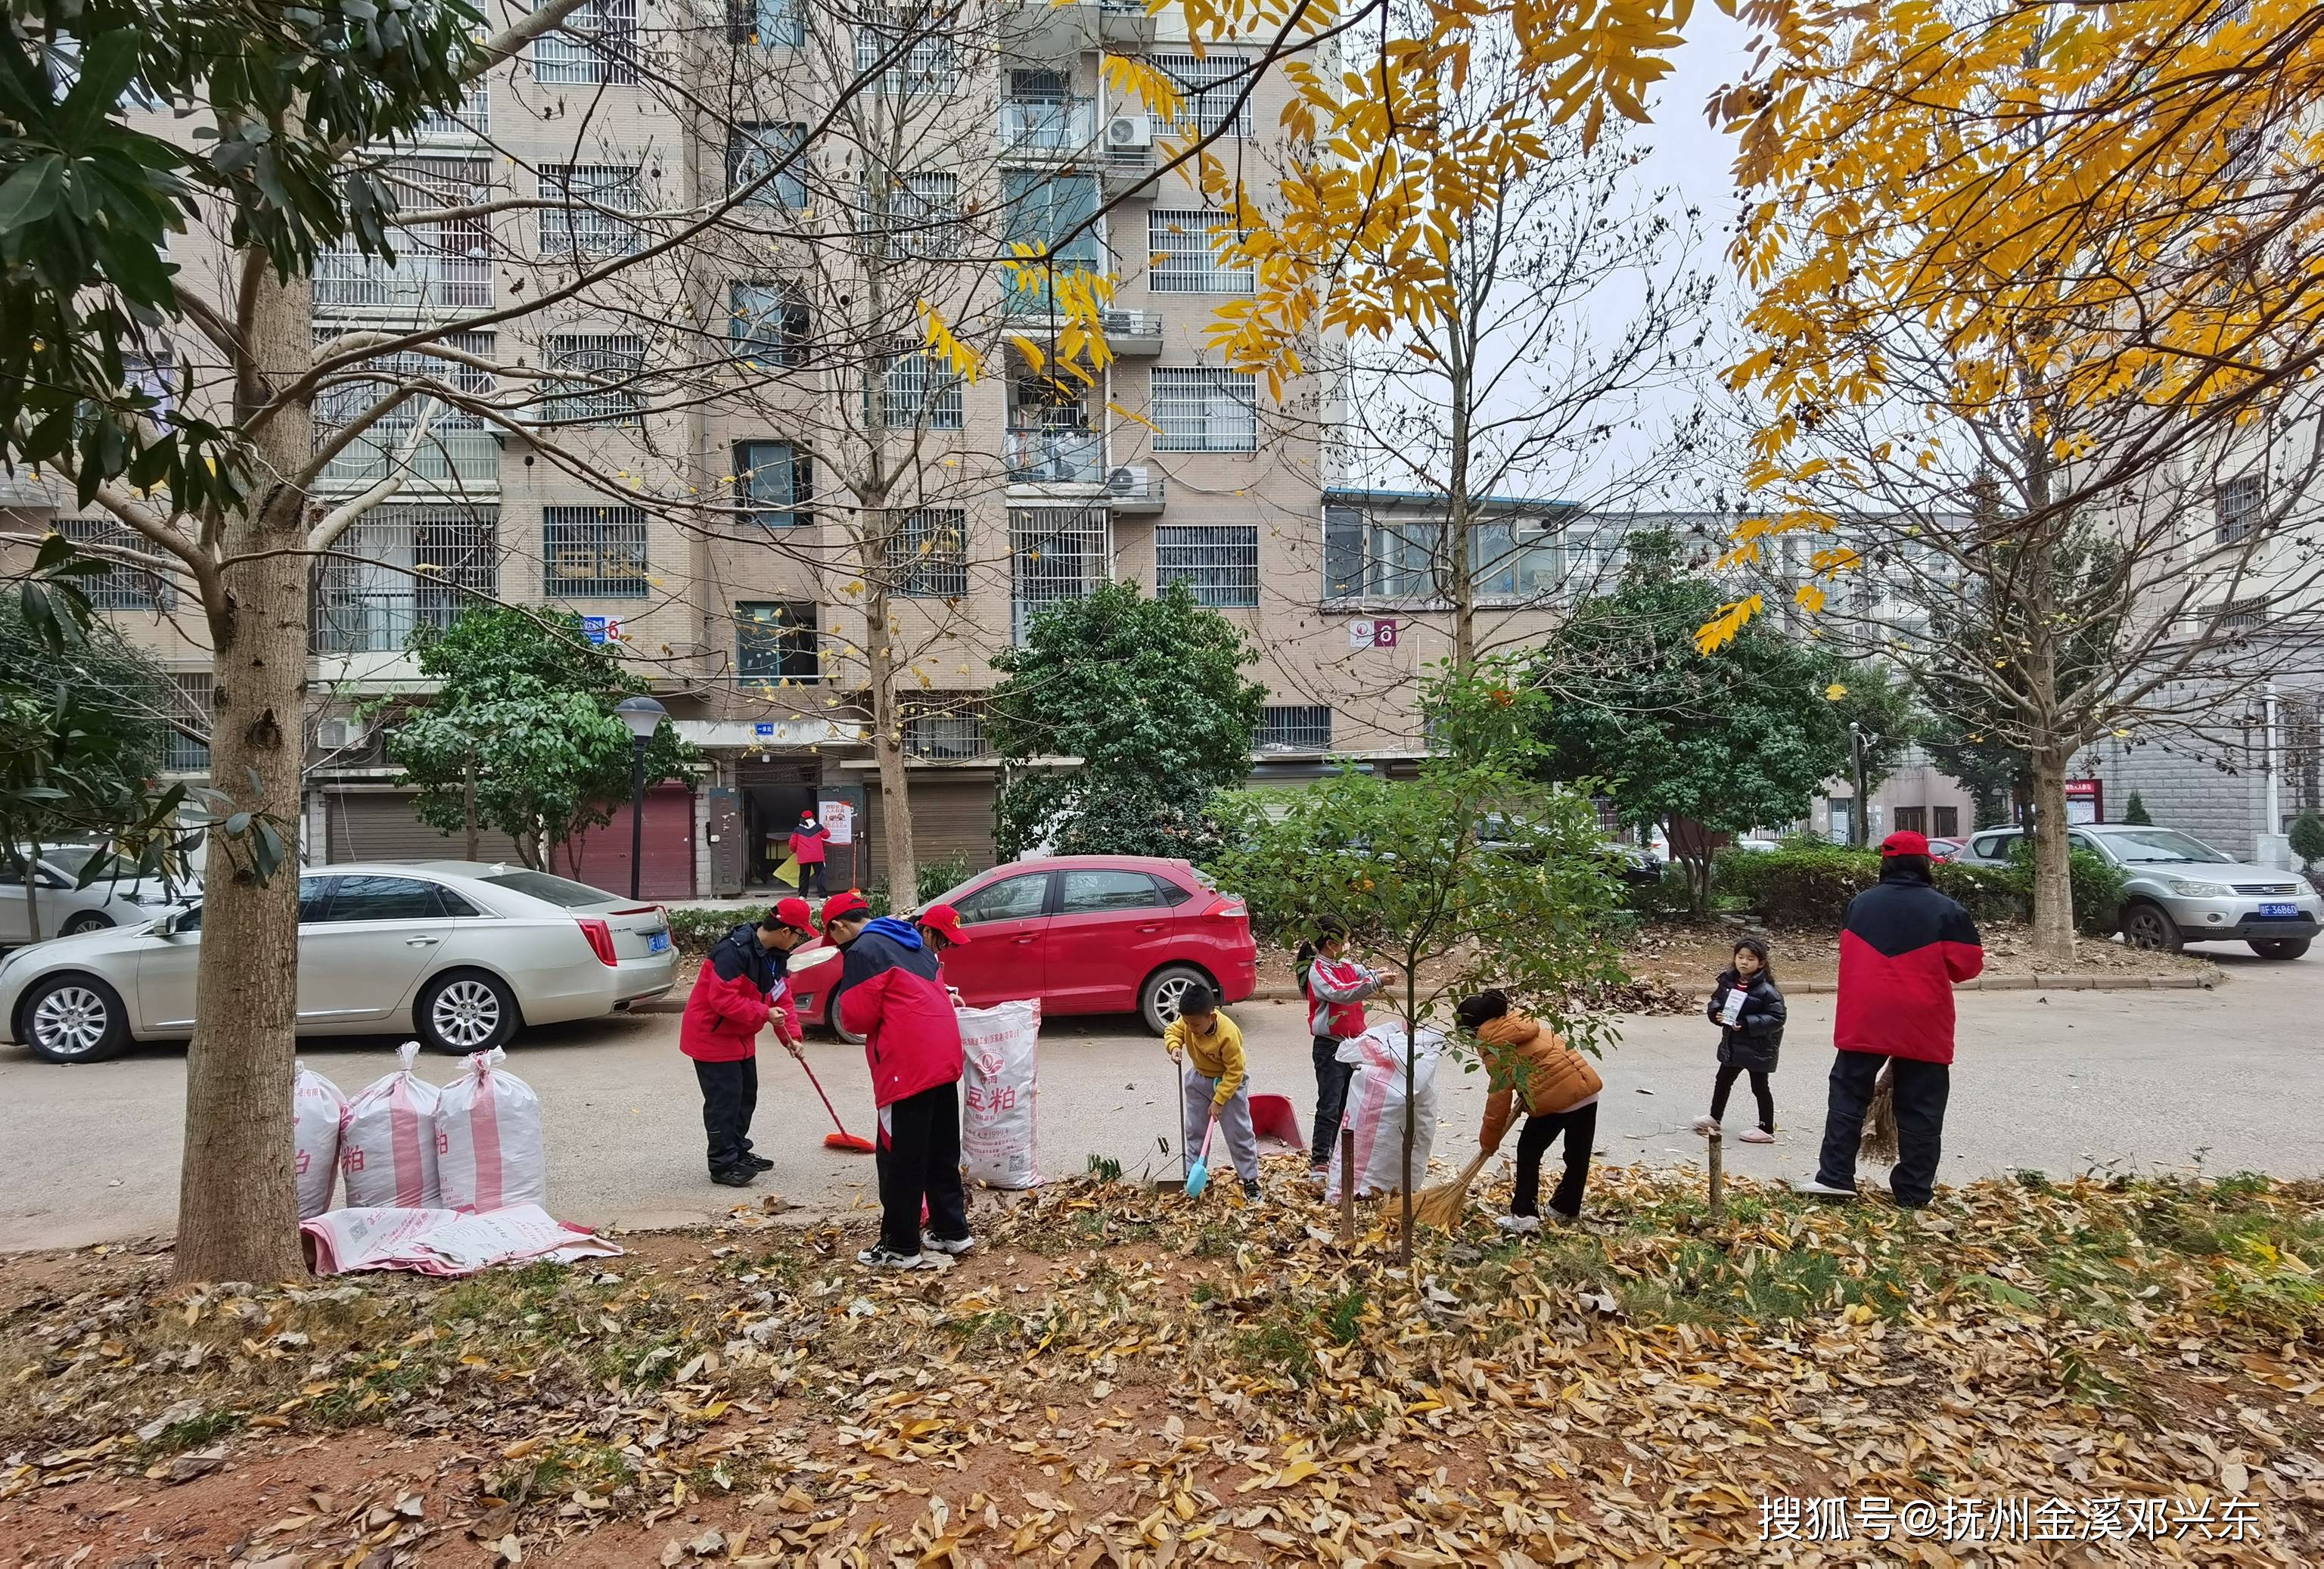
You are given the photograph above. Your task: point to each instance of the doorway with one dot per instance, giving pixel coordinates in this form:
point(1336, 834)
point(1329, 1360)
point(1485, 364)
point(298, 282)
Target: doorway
point(769, 813)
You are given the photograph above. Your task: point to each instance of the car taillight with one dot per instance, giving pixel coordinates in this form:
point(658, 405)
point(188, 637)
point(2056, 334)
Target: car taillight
point(1228, 908)
point(601, 938)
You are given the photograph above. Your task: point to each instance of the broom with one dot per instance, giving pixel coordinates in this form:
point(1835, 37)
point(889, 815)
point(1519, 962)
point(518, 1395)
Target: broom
point(1441, 1206)
point(1880, 1142)
point(843, 1139)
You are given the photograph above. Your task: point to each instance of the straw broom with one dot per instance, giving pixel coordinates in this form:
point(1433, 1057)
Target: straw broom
point(1441, 1206)
point(1879, 1141)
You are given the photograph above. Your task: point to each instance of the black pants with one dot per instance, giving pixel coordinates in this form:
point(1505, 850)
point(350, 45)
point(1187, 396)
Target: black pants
point(1760, 1092)
point(730, 1094)
point(811, 871)
point(920, 1159)
point(1580, 1127)
point(1331, 1079)
point(1920, 1091)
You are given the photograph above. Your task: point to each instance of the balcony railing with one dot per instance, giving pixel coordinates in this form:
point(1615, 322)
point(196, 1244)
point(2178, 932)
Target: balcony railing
point(1056, 457)
point(468, 123)
point(414, 281)
point(1059, 127)
point(465, 460)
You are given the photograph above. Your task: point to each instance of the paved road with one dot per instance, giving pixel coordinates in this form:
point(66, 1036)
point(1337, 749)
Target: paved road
point(2062, 1081)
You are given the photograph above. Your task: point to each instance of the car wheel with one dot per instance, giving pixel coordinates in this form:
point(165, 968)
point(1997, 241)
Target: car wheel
point(2150, 925)
point(88, 920)
point(1164, 990)
point(2279, 948)
point(464, 1011)
point(74, 1018)
point(830, 1018)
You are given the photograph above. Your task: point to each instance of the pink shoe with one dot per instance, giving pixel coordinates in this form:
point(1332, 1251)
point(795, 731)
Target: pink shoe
point(1706, 1125)
point(1757, 1136)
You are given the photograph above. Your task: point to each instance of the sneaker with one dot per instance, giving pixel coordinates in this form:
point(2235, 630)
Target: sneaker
point(879, 1256)
point(951, 1247)
point(1321, 1176)
point(735, 1176)
point(758, 1162)
point(1757, 1136)
point(1522, 1225)
point(1809, 1188)
point(1250, 1190)
point(1706, 1125)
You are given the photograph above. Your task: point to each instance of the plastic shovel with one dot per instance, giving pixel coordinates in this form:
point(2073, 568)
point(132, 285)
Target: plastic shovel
point(1198, 1176)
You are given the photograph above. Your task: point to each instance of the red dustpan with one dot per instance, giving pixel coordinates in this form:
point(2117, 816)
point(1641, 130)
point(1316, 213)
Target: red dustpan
point(1271, 1117)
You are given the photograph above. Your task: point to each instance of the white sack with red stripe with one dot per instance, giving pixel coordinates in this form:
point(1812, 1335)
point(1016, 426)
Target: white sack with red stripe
point(316, 1108)
point(488, 1148)
point(387, 1141)
point(1377, 1109)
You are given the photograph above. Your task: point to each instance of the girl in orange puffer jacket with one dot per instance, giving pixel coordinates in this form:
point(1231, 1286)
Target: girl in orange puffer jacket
point(1561, 1090)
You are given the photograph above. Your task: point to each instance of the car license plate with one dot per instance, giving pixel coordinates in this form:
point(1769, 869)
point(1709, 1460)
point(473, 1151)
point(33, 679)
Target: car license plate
point(657, 942)
point(2280, 912)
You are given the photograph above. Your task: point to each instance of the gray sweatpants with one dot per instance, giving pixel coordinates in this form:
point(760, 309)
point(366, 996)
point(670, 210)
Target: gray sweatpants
point(1234, 1122)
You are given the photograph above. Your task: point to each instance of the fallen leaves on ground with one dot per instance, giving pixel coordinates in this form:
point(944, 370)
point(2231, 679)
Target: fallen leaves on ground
point(1124, 1376)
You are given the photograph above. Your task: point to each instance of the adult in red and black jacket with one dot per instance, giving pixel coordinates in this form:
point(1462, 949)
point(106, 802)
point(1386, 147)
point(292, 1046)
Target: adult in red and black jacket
point(742, 988)
point(889, 993)
point(1903, 947)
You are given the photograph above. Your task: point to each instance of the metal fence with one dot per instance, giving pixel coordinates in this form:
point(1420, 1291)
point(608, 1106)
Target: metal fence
point(1292, 728)
point(593, 552)
point(916, 383)
point(951, 737)
point(1202, 410)
point(613, 361)
point(929, 554)
point(398, 569)
point(1056, 554)
point(1219, 561)
point(598, 44)
point(1048, 125)
point(1209, 85)
point(1184, 257)
point(593, 197)
point(458, 450)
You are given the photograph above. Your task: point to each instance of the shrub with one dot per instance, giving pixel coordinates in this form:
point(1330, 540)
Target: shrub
point(2098, 885)
point(694, 930)
point(1808, 883)
point(943, 876)
point(2308, 838)
point(2136, 812)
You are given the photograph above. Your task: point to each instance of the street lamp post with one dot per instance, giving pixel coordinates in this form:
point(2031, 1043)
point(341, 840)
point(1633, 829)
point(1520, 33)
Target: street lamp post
point(1860, 831)
point(643, 716)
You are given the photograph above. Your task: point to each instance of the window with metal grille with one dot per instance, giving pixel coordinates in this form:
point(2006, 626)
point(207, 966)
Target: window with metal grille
point(429, 440)
point(916, 385)
point(602, 386)
point(473, 118)
point(2239, 501)
point(443, 264)
point(753, 148)
point(1295, 727)
point(190, 709)
point(1056, 554)
point(772, 483)
point(929, 554)
point(925, 66)
point(597, 44)
point(1184, 259)
point(398, 569)
point(1219, 561)
point(767, 324)
point(1202, 410)
point(951, 735)
point(920, 211)
point(774, 643)
point(1209, 87)
point(593, 552)
point(591, 198)
point(122, 586)
point(766, 24)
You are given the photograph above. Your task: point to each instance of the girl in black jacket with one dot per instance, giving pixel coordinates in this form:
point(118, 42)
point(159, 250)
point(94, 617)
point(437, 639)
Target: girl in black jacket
point(1750, 1013)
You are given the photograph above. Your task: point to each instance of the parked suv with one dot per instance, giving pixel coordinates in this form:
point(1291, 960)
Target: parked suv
point(2181, 890)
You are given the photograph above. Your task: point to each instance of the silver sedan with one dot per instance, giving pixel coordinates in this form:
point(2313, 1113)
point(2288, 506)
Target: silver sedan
point(458, 953)
point(63, 909)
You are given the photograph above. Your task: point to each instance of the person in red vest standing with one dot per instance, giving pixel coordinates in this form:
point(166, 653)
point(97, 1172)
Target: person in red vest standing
point(808, 842)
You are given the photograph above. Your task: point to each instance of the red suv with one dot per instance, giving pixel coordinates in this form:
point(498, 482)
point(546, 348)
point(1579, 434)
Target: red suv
point(1085, 934)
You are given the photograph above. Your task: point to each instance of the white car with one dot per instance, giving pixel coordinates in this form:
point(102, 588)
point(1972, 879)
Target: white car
point(65, 911)
point(458, 953)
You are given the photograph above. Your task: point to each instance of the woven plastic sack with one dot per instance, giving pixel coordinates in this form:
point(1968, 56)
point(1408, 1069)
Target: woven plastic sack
point(316, 1108)
point(488, 1148)
point(999, 1048)
point(387, 1141)
point(1377, 1109)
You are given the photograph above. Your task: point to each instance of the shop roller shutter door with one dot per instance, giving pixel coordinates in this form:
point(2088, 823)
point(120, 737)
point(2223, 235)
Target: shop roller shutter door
point(601, 857)
point(379, 826)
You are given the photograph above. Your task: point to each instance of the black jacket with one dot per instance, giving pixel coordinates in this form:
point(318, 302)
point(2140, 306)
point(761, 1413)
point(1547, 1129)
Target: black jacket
point(1754, 1042)
point(740, 953)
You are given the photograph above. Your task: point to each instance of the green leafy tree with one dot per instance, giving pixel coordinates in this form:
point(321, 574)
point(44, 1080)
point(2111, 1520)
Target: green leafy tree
point(521, 734)
point(1739, 739)
point(2307, 839)
point(1881, 708)
point(1405, 864)
point(2136, 812)
point(1149, 696)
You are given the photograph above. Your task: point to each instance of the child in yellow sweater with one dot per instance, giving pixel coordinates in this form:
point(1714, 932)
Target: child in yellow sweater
point(1215, 1088)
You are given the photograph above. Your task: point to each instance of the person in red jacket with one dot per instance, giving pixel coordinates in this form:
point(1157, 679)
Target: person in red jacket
point(888, 993)
point(1903, 949)
point(741, 989)
point(807, 841)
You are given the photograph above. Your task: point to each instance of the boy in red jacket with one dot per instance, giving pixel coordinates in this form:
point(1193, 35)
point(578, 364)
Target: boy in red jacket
point(890, 995)
point(741, 988)
point(807, 841)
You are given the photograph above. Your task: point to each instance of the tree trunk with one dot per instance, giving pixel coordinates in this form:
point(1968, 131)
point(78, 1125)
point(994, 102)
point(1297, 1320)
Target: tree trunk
point(468, 808)
point(888, 743)
point(1411, 1093)
point(238, 1196)
point(2054, 884)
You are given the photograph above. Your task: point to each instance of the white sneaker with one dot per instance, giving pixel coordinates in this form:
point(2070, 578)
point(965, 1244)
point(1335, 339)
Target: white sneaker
point(1319, 1175)
point(1757, 1136)
point(878, 1257)
point(1809, 1188)
point(950, 1247)
point(1706, 1125)
point(1522, 1225)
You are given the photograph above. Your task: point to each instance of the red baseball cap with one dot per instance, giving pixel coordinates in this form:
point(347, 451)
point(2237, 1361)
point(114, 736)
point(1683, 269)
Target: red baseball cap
point(794, 913)
point(841, 905)
point(1905, 842)
point(943, 918)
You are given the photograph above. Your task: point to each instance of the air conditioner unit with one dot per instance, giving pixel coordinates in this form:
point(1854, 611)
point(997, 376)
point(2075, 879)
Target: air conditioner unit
point(1128, 480)
point(1130, 134)
point(339, 734)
